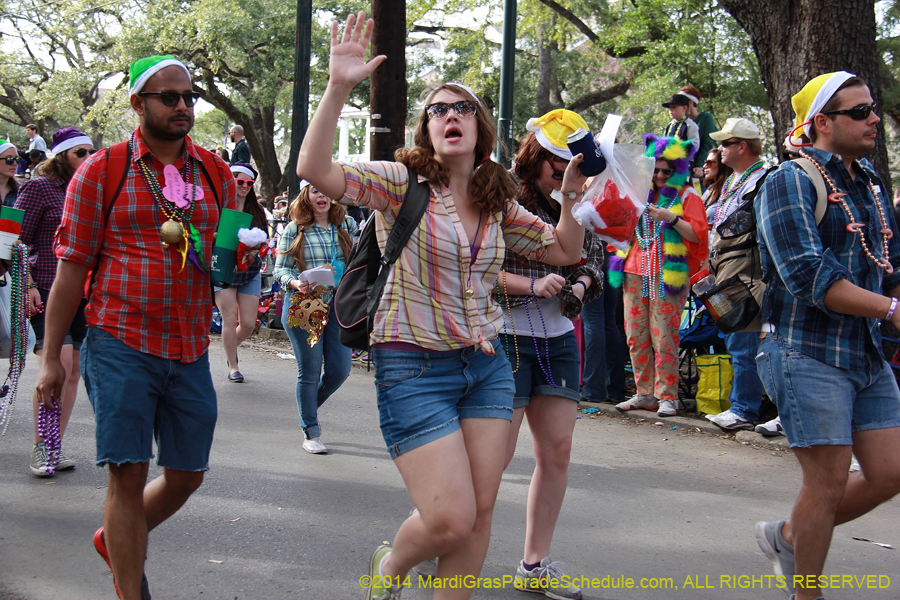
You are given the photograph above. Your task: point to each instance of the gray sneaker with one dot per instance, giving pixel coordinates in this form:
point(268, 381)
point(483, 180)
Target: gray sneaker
point(39, 464)
point(64, 462)
point(547, 579)
point(771, 542)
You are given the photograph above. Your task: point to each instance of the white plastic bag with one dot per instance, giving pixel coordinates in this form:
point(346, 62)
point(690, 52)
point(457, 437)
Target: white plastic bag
point(616, 198)
point(5, 322)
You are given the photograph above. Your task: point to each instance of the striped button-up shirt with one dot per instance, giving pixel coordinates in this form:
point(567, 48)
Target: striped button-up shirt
point(436, 296)
point(807, 260)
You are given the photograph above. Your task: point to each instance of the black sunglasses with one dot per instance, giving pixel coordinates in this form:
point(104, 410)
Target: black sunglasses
point(82, 152)
point(731, 143)
point(666, 172)
point(10, 160)
point(440, 110)
point(171, 98)
point(857, 113)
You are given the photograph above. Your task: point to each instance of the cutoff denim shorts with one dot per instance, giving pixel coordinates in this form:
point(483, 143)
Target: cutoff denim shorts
point(423, 395)
point(822, 405)
point(138, 397)
point(251, 288)
point(531, 381)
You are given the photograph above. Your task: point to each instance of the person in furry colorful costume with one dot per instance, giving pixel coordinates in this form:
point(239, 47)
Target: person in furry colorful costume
point(668, 246)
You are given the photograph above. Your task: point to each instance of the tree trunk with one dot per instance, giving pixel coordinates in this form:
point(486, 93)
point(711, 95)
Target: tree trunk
point(387, 96)
point(796, 40)
point(545, 68)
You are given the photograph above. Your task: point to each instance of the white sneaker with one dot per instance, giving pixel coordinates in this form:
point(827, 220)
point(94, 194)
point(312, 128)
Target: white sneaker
point(666, 408)
point(547, 579)
point(854, 465)
point(315, 446)
point(644, 401)
point(771, 428)
point(729, 421)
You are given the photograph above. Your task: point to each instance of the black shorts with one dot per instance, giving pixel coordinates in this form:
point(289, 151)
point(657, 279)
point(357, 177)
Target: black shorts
point(77, 329)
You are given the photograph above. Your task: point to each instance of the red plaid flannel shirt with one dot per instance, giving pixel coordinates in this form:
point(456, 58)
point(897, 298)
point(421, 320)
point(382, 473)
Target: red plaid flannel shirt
point(141, 295)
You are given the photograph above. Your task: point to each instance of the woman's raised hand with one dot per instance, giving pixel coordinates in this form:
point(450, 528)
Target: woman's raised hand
point(348, 65)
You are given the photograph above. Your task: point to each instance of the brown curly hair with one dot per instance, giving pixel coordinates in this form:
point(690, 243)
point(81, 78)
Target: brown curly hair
point(303, 217)
point(491, 187)
point(529, 162)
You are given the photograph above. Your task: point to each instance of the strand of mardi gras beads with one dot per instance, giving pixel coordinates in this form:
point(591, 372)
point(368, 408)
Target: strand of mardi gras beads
point(853, 226)
point(48, 430)
point(18, 318)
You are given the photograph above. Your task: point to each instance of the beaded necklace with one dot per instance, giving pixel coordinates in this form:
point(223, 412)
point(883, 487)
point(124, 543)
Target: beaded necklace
point(546, 369)
point(173, 231)
point(18, 319)
point(513, 323)
point(853, 226)
point(730, 192)
point(648, 232)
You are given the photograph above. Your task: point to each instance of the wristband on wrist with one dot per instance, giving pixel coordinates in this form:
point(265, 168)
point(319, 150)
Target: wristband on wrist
point(583, 284)
point(890, 313)
point(31, 285)
point(674, 221)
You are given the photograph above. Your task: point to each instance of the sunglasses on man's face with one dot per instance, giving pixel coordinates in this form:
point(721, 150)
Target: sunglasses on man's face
point(665, 172)
point(247, 182)
point(857, 113)
point(10, 160)
point(82, 152)
point(439, 110)
point(171, 98)
point(730, 143)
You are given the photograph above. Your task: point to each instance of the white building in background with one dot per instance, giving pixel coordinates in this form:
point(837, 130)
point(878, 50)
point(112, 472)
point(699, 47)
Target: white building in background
point(349, 114)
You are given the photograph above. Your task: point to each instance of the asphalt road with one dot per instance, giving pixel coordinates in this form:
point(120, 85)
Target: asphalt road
point(273, 522)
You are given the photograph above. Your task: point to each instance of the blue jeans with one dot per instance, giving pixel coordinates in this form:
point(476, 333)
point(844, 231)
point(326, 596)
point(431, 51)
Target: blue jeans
point(314, 386)
point(604, 353)
point(746, 388)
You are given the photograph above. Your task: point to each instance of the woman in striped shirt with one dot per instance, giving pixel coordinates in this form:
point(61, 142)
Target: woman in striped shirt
point(444, 390)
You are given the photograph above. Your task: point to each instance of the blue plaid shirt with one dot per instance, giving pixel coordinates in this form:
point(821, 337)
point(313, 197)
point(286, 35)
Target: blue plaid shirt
point(807, 260)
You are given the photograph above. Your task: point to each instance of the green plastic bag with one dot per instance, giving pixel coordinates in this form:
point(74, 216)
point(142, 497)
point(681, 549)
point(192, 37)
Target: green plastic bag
point(714, 386)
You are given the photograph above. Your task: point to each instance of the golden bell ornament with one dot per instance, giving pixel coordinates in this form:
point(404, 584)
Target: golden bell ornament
point(171, 232)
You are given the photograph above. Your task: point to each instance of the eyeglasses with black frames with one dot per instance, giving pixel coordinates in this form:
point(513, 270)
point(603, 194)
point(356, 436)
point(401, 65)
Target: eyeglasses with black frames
point(170, 99)
point(439, 110)
point(857, 113)
point(665, 172)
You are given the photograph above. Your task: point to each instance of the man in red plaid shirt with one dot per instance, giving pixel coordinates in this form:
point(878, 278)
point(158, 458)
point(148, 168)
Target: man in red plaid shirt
point(142, 216)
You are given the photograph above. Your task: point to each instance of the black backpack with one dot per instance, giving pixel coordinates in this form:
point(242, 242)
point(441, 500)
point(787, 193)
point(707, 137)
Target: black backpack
point(359, 292)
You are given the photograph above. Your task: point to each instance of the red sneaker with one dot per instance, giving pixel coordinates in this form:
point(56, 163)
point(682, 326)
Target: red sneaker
point(100, 547)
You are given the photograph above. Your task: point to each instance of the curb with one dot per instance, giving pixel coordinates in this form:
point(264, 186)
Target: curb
point(690, 423)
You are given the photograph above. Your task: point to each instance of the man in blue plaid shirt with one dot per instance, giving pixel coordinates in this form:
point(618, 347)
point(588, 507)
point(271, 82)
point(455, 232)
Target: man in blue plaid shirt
point(820, 353)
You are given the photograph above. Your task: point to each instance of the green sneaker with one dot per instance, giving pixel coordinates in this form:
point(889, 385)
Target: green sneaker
point(376, 589)
point(40, 466)
point(547, 579)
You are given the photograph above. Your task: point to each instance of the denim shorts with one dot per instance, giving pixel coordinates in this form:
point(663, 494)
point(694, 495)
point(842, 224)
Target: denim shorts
point(423, 395)
point(77, 329)
point(138, 397)
point(822, 405)
point(530, 378)
point(251, 288)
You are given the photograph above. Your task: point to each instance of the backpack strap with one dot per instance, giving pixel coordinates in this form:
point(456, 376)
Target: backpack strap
point(819, 182)
point(415, 202)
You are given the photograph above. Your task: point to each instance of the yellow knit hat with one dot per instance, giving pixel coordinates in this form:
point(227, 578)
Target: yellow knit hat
point(553, 129)
point(810, 101)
